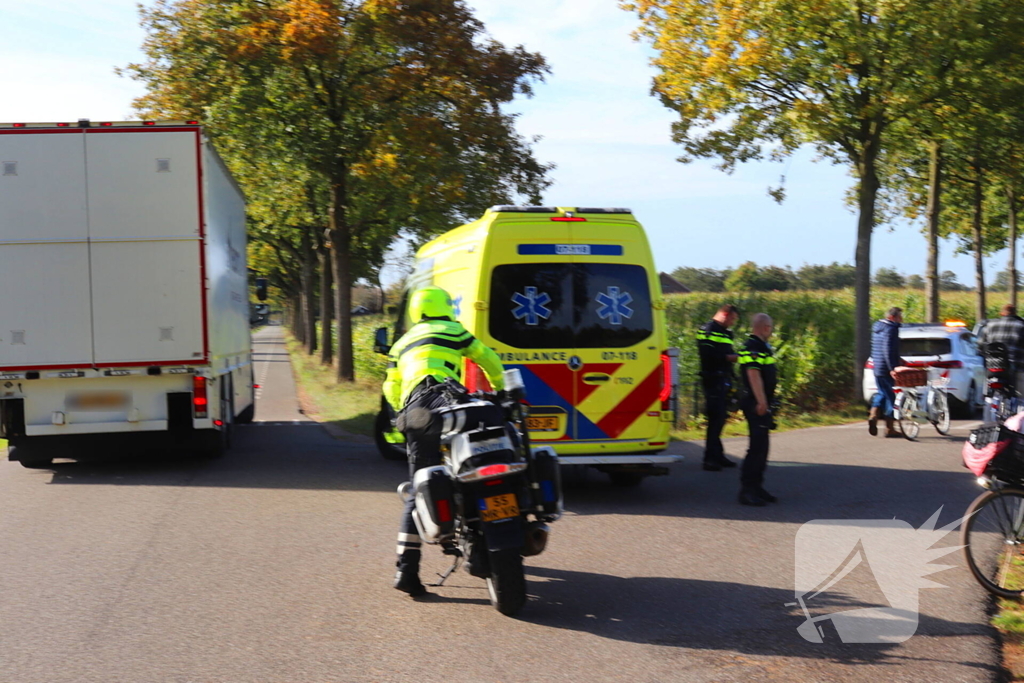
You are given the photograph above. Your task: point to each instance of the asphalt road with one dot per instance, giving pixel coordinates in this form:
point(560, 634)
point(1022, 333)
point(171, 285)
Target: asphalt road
point(274, 564)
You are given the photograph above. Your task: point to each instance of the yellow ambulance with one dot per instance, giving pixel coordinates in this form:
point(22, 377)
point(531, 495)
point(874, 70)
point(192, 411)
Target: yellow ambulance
point(570, 296)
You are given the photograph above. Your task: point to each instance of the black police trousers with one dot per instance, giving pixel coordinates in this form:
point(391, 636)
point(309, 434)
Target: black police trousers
point(424, 449)
point(716, 407)
point(759, 426)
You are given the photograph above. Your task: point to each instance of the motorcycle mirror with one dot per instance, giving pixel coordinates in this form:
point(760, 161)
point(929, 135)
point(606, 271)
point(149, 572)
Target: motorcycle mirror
point(380, 341)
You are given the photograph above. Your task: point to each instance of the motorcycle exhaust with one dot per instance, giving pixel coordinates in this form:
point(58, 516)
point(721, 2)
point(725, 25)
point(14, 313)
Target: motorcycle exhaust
point(405, 491)
point(535, 540)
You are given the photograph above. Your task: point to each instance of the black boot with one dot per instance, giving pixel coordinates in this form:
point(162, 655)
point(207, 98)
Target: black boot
point(407, 580)
point(749, 496)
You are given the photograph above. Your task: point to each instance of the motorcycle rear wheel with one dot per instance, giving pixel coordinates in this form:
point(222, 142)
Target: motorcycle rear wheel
point(507, 582)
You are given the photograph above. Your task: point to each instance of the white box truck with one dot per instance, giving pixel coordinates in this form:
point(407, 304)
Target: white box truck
point(124, 312)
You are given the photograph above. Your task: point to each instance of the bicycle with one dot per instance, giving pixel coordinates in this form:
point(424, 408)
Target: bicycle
point(992, 536)
point(914, 406)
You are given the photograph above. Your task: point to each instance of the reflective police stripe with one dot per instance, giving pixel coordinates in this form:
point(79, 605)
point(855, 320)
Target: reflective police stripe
point(444, 342)
point(713, 337)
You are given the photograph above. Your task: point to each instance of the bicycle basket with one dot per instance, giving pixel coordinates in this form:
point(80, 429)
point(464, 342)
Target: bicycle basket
point(994, 450)
point(911, 377)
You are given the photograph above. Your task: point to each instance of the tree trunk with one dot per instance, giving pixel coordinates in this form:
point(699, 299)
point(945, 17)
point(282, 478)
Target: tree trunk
point(867, 194)
point(326, 308)
point(979, 263)
point(308, 279)
point(341, 253)
point(931, 278)
point(298, 329)
point(1011, 205)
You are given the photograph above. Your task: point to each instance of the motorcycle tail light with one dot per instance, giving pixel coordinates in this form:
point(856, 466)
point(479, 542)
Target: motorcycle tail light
point(444, 511)
point(492, 471)
point(996, 385)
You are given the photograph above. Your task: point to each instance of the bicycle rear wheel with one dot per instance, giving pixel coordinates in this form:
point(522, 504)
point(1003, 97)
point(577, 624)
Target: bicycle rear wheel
point(992, 536)
point(906, 405)
point(939, 410)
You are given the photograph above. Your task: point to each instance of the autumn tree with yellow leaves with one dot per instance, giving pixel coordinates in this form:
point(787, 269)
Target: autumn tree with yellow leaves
point(389, 112)
point(753, 79)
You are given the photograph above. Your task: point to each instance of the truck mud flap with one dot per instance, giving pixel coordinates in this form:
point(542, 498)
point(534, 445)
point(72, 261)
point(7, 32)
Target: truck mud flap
point(504, 534)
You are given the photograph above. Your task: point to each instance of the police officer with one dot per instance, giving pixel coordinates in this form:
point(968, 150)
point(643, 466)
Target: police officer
point(760, 376)
point(428, 354)
point(715, 345)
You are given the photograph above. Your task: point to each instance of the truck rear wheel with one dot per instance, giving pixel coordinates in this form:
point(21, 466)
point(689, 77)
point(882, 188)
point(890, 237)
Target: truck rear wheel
point(31, 457)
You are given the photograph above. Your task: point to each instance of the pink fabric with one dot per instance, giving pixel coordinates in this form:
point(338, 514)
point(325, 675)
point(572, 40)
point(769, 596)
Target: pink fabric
point(1013, 422)
point(976, 460)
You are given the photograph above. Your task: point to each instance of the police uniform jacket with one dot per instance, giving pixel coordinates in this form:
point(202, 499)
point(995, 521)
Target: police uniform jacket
point(759, 355)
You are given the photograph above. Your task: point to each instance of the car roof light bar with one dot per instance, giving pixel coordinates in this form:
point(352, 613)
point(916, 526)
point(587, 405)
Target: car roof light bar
point(593, 210)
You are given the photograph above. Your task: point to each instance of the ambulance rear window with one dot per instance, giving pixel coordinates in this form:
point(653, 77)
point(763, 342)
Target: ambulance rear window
point(570, 305)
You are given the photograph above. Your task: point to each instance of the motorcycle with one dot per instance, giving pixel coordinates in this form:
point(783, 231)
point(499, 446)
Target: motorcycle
point(1000, 393)
point(490, 501)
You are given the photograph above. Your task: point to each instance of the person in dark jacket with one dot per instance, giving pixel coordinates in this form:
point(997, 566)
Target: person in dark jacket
point(885, 355)
point(717, 355)
point(1008, 330)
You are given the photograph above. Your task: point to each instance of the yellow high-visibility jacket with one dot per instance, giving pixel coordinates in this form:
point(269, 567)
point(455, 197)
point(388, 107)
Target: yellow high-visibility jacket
point(435, 348)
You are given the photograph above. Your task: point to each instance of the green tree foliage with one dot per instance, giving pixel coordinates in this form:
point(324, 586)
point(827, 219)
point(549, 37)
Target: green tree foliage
point(390, 108)
point(889, 277)
point(915, 281)
point(743, 279)
point(825, 277)
point(1002, 281)
point(949, 283)
point(756, 78)
point(702, 279)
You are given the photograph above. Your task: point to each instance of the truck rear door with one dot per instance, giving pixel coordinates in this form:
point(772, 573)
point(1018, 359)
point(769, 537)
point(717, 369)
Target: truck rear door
point(45, 308)
point(146, 260)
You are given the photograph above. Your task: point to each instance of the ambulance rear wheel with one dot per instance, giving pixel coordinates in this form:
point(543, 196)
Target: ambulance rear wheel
point(388, 450)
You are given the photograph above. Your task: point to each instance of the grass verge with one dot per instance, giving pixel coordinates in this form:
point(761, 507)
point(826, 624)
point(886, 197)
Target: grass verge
point(1009, 620)
point(737, 426)
point(350, 406)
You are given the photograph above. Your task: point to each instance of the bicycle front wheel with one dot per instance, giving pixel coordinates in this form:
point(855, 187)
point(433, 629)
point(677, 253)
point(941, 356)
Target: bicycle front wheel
point(939, 411)
point(908, 421)
point(992, 536)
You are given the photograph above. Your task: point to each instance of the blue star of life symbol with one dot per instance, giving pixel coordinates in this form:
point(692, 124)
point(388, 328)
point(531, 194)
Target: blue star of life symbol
point(531, 306)
point(457, 305)
point(614, 306)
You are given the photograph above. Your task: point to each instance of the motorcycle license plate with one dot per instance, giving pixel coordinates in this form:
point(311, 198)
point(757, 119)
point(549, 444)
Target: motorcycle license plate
point(542, 424)
point(499, 507)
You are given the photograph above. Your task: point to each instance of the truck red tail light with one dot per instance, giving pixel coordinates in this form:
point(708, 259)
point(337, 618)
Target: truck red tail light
point(200, 406)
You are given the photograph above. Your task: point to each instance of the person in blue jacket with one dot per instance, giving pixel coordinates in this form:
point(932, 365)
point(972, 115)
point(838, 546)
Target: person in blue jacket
point(885, 354)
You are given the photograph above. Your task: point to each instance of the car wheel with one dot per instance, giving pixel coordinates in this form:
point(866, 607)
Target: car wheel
point(968, 409)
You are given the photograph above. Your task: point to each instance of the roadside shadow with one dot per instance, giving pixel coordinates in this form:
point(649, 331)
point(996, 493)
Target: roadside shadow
point(734, 617)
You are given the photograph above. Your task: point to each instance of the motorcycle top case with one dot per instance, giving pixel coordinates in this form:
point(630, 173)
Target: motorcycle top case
point(480, 447)
point(546, 484)
point(435, 503)
point(464, 417)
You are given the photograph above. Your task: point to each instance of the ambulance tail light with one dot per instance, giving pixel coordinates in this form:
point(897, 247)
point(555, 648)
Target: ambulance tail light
point(474, 378)
point(669, 379)
point(200, 405)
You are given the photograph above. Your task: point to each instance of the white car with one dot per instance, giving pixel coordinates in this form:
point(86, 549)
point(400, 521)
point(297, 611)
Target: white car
point(948, 351)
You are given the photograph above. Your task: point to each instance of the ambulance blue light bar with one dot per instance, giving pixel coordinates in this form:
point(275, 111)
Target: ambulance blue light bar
point(593, 210)
point(524, 209)
point(570, 249)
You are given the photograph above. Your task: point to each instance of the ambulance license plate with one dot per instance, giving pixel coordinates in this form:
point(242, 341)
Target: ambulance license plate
point(542, 424)
point(499, 507)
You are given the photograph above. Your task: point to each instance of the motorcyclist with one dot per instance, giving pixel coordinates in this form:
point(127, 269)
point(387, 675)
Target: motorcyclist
point(419, 362)
point(1007, 329)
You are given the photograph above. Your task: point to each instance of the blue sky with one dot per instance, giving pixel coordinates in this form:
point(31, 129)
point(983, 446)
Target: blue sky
point(608, 137)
